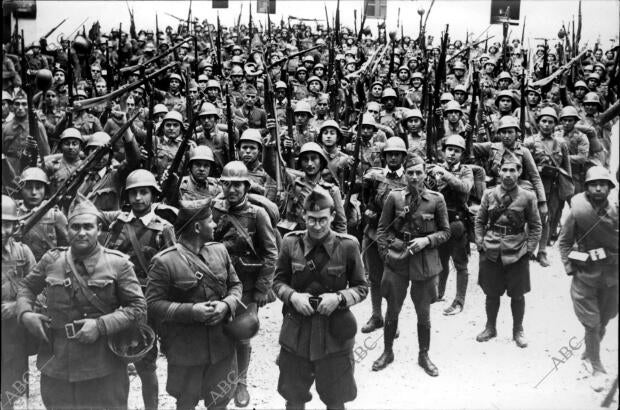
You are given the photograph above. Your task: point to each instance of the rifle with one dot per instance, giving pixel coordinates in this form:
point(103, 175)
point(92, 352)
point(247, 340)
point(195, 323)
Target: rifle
point(232, 152)
point(361, 31)
point(578, 34)
point(74, 181)
point(156, 58)
point(168, 185)
point(156, 32)
point(337, 23)
point(391, 68)
point(289, 123)
point(356, 158)
point(239, 23)
point(189, 18)
point(523, 98)
point(505, 27)
point(218, 45)
point(435, 128)
point(466, 49)
point(49, 33)
point(33, 124)
point(299, 53)
point(472, 112)
point(148, 143)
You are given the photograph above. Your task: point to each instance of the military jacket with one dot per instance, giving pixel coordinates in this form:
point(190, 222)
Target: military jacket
point(110, 275)
point(49, 232)
point(190, 189)
point(179, 278)
point(87, 123)
point(59, 170)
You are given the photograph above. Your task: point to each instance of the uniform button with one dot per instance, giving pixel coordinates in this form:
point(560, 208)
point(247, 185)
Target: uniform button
point(84, 315)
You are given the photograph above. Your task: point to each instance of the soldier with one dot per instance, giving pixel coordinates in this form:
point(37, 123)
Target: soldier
point(198, 184)
point(552, 159)
point(92, 295)
point(415, 137)
point(256, 117)
point(250, 147)
point(391, 116)
point(191, 291)
point(330, 137)
point(589, 250)
point(104, 182)
point(319, 275)
point(7, 103)
point(170, 135)
point(246, 232)
point(302, 132)
point(212, 136)
point(578, 146)
point(508, 229)
point(17, 261)
point(140, 234)
point(51, 230)
point(173, 99)
point(413, 223)
point(312, 161)
point(377, 184)
point(83, 120)
point(454, 181)
point(61, 166)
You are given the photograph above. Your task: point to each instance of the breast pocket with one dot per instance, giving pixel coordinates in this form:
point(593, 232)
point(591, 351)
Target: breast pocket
point(105, 290)
point(336, 277)
point(428, 223)
point(59, 291)
point(184, 290)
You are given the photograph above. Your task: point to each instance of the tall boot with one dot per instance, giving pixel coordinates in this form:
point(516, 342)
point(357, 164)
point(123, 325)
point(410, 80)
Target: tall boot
point(387, 356)
point(492, 308)
point(518, 311)
point(593, 353)
point(294, 406)
point(334, 406)
point(424, 343)
point(150, 389)
point(376, 320)
point(244, 350)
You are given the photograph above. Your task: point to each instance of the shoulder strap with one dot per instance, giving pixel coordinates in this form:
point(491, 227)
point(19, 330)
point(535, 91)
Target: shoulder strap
point(208, 278)
point(313, 266)
point(83, 286)
point(242, 231)
point(137, 248)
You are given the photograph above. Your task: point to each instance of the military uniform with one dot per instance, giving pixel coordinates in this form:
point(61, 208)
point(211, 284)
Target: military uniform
point(59, 170)
point(15, 141)
point(505, 244)
point(86, 123)
point(199, 356)
point(190, 189)
point(17, 261)
point(315, 348)
point(455, 186)
point(74, 374)
point(175, 101)
point(49, 232)
point(218, 142)
point(578, 152)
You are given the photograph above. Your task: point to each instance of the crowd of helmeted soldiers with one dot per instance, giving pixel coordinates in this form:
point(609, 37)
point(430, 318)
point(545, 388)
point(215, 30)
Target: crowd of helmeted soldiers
point(191, 173)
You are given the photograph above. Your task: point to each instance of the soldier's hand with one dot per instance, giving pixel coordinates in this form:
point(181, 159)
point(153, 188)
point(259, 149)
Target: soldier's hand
point(36, 324)
point(89, 332)
point(287, 143)
point(439, 111)
point(468, 128)
point(301, 303)
point(417, 244)
point(218, 312)
point(543, 210)
point(8, 310)
point(201, 311)
point(329, 303)
point(261, 299)
point(271, 124)
point(370, 214)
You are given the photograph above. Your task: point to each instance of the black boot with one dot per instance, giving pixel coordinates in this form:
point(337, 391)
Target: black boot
point(150, 389)
point(424, 343)
point(334, 406)
point(295, 406)
point(489, 332)
point(518, 311)
point(387, 356)
point(542, 259)
point(376, 320)
point(242, 397)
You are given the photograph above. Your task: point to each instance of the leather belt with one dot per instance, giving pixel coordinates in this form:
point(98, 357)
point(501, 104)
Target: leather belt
point(506, 230)
point(408, 236)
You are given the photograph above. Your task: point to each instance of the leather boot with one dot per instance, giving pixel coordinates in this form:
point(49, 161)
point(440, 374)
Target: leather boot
point(424, 342)
point(542, 259)
point(387, 356)
point(489, 332)
point(150, 389)
point(242, 397)
point(295, 406)
point(518, 311)
point(335, 406)
point(376, 320)
point(373, 324)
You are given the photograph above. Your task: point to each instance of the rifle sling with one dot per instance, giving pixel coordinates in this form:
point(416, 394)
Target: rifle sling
point(243, 232)
point(137, 248)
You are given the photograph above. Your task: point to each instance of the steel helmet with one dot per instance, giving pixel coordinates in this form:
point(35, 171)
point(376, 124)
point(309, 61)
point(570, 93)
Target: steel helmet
point(549, 112)
point(203, 64)
point(504, 76)
point(593, 76)
point(141, 178)
point(303, 106)
point(71, 133)
point(506, 93)
point(35, 174)
point(6, 96)
point(569, 111)
point(404, 68)
point(251, 135)
point(417, 74)
point(453, 106)
point(490, 61)
point(531, 89)
point(332, 124)
point(201, 152)
point(309, 59)
point(213, 84)
point(317, 79)
point(98, 139)
point(208, 109)
point(319, 65)
point(175, 76)
point(592, 98)
point(245, 325)
point(174, 116)
point(388, 93)
point(132, 344)
point(236, 70)
point(235, 171)
point(203, 78)
point(459, 65)
point(395, 144)
point(280, 85)
point(461, 88)
point(413, 113)
point(595, 173)
point(236, 60)
point(446, 97)
point(368, 119)
point(508, 121)
point(377, 82)
point(312, 147)
point(581, 84)
point(160, 109)
point(455, 141)
point(9, 209)
point(301, 68)
point(43, 79)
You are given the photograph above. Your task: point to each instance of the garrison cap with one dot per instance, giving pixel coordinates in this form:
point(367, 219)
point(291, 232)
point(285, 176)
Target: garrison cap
point(192, 211)
point(82, 206)
point(412, 161)
point(318, 199)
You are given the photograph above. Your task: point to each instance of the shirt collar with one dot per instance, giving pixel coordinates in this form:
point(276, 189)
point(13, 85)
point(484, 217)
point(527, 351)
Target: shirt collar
point(327, 242)
point(146, 219)
point(399, 172)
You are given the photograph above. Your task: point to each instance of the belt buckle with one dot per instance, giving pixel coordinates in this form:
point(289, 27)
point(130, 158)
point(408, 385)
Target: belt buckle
point(70, 330)
point(502, 228)
point(597, 254)
point(406, 237)
point(67, 282)
point(199, 275)
point(311, 265)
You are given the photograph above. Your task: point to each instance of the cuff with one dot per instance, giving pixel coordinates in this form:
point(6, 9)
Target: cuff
point(286, 296)
point(232, 303)
point(101, 326)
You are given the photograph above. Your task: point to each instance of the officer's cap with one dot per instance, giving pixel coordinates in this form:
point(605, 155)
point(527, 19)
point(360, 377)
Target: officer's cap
point(318, 200)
